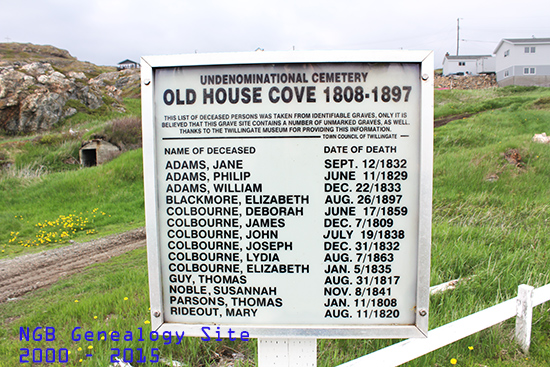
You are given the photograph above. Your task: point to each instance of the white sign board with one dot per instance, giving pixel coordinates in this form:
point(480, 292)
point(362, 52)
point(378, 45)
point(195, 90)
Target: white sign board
point(289, 194)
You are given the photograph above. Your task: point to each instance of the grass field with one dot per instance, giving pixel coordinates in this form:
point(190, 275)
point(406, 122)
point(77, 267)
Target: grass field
point(491, 213)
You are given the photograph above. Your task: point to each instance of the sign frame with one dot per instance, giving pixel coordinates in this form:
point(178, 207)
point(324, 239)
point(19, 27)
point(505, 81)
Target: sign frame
point(424, 59)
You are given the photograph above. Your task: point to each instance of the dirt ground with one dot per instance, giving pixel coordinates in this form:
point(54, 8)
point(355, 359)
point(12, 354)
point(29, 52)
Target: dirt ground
point(446, 120)
point(26, 273)
point(33, 271)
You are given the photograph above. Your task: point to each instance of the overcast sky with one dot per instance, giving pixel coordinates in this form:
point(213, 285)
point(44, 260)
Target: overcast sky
point(106, 32)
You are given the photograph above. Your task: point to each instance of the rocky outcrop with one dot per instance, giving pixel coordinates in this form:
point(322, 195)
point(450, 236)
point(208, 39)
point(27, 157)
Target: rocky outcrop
point(117, 82)
point(34, 96)
point(465, 82)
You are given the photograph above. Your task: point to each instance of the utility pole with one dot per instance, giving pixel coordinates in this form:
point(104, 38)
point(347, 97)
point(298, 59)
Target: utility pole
point(457, 34)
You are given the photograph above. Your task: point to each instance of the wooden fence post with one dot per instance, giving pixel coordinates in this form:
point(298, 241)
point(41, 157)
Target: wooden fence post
point(524, 316)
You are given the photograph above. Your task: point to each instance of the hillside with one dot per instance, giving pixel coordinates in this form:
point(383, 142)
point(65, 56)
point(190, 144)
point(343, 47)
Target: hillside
point(50, 103)
point(42, 86)
point(25, 53)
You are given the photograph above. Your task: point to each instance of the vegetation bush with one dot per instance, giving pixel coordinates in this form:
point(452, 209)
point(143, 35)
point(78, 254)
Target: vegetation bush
point(543, 103)
point(76, 104)
point(133, 93)
point(124, 132)
point(3, 159)
point(52, 139)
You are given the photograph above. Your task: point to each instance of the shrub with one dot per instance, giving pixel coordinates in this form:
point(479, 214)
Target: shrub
point(124, 132)
point(542, 103)
point(3, 159)
point(77, 105)
point(51, 139)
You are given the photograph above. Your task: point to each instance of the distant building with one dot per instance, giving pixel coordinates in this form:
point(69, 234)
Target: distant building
point(468, 64)
point(523, 61)
point(128, 64)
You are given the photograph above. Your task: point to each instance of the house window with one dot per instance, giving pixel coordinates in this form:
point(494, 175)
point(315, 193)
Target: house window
point(530, 50)
point(529, 71)
point(506, 53)
point(462, 63)
point(506, 73)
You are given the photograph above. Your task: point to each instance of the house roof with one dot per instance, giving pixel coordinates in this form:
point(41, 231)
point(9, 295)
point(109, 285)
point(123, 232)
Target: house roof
point(466, 57)
point(520, 41)
point(527, 40)
point(127, 62)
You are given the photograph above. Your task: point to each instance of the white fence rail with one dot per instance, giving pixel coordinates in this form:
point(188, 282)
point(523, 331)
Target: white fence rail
point(410, 349)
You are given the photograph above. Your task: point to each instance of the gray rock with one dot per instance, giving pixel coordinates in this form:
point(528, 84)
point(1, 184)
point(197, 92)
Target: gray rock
point(69, 112)
point(76, 75)
point(33, 96)
point(105, 79)
point(37, 69)
point(40, 111)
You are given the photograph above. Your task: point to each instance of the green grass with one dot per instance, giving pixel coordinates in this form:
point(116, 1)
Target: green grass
point(93, 121)
point(108, 297)
point(58, 150)
point(456, 102)
point(115, 188)
point(494, 233)
point(490, 227)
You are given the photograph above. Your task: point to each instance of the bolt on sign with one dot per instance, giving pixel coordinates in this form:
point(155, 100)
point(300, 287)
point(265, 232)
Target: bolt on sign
point(289, 194)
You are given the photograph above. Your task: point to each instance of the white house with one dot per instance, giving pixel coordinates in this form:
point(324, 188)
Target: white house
point(523, 61)
point(128, 64)
point(468, 64)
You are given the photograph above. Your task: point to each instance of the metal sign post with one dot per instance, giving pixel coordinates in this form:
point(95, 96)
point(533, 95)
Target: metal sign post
point(288, 195)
